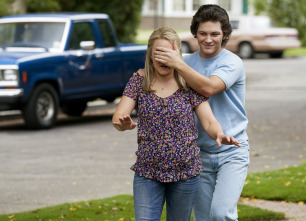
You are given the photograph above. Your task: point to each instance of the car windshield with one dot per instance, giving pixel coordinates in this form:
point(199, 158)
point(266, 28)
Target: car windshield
point(261, 23)
point(32, 34)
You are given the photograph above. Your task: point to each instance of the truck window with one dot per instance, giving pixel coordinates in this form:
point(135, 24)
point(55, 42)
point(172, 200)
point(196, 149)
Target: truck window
point(106, 33)
point(32, 34)
point(81, 31)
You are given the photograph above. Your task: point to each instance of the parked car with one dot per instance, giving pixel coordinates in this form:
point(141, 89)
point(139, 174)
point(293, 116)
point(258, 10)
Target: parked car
point(52, 61)
point(252, 34)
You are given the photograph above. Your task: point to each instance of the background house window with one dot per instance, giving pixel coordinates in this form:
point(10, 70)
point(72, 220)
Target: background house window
point(196, 4)
point(226, 4)
point(179, 5)
point(152, 4)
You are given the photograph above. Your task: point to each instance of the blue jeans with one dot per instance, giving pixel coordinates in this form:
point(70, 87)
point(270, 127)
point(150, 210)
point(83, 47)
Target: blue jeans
point(221, 184)
point(150, 196)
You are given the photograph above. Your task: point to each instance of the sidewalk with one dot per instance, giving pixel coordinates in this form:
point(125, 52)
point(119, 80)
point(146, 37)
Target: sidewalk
point(293, 211)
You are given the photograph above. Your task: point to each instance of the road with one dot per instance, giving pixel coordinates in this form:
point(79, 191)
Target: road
point(86, 158)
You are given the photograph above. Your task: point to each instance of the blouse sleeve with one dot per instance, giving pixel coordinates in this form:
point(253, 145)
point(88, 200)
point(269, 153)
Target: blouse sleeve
point(132, 88)
point(196, 98)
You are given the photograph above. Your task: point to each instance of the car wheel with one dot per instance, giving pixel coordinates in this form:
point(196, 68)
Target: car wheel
point(42, 108)
point(246, 50)
point(75, 108)
point(185, 47)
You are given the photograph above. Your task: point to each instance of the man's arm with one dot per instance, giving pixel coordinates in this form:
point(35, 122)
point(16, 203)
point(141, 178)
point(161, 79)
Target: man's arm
point(200, 83)
point(212, 126)
point(206, 86)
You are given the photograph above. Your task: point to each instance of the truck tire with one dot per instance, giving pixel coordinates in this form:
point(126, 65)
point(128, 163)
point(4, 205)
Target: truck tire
point(110, 99)
point(42, 108)
point(75, 108)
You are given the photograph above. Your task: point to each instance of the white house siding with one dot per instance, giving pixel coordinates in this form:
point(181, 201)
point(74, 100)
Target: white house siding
point(177, 14)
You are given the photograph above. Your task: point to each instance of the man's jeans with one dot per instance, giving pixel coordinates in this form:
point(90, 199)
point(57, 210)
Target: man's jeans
point(150, 196)
point(221, 184)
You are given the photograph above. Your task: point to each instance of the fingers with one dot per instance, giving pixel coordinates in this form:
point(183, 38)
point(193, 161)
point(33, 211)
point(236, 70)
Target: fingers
point(161, 53)
point(125, 123)
point(218, 141)
point(125, 119)
point(227, 140)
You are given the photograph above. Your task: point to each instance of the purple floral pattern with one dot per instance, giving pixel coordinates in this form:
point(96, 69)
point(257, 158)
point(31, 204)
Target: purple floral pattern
point(167, 149)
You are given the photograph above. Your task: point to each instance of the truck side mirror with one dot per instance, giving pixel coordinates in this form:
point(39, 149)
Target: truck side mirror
point(87, 45)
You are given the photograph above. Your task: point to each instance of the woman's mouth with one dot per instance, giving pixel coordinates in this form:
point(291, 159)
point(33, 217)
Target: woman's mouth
point(164, 66)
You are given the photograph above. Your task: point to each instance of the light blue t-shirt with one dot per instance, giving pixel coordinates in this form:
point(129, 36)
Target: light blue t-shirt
point(228, 105)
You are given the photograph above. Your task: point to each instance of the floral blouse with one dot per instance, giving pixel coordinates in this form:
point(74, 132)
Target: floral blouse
point(167, 148)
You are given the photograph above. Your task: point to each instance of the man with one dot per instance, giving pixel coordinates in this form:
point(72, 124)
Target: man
point(219, 74)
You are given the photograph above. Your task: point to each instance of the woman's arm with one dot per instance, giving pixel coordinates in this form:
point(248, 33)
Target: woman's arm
point(121, 118)
point(212, 126)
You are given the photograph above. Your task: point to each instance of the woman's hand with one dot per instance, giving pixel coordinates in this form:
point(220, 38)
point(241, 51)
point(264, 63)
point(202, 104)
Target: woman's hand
point(227, 140)
point(125, 123)
point(170, 57)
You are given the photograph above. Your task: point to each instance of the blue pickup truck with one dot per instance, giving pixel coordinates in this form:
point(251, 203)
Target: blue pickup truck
point(52, 61)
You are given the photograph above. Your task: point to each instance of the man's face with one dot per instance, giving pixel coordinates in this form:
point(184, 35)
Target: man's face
point(210, 37)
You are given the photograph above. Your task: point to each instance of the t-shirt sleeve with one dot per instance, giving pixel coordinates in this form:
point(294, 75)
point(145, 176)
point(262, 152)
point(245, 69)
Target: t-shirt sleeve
point(132, 87)
point(230, 73)
point(196, 98)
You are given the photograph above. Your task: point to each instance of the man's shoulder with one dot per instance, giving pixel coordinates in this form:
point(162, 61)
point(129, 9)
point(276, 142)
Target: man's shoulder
point(230, 55)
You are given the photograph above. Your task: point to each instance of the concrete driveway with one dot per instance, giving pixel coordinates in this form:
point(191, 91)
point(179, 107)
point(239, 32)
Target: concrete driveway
point(86, 158)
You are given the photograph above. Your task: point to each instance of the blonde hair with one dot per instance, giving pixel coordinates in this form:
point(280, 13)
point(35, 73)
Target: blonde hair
point(166, 34)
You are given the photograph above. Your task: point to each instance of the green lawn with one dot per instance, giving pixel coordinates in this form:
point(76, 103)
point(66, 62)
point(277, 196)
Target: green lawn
point(296, 52)
point(286, 184)
point(118, 208)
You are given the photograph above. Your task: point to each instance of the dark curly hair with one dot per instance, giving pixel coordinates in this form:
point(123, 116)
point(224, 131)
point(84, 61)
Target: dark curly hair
point(213, 13)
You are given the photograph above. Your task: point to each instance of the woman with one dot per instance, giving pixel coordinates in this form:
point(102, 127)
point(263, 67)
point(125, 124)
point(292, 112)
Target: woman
point(168, 162)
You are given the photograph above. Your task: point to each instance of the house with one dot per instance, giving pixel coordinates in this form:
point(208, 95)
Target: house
point(177, 14)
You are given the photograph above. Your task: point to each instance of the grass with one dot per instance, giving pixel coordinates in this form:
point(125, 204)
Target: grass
point(118, 208)
point(295, 52)
point(286, 184)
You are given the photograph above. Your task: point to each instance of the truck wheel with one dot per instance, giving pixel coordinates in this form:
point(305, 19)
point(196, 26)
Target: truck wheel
point(246, 50)
point(74, 109)
point(110, 99)
point(41, 111)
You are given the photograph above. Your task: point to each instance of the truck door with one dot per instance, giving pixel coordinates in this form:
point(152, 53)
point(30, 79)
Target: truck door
point(78, 79)
point(102, 74)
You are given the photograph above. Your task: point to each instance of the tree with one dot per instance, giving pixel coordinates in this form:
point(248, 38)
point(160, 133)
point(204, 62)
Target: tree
point(124, 14)
point(33, 6)
point(285, 13)
point(4, 7)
